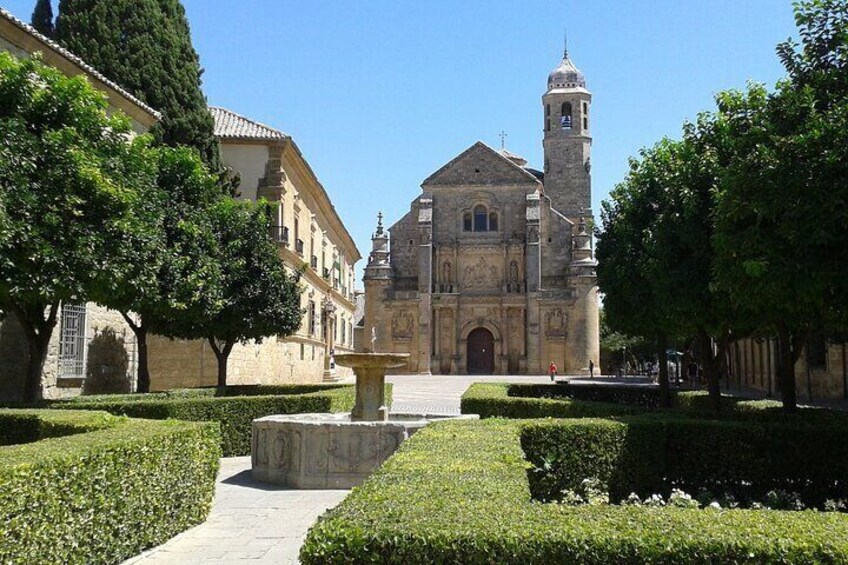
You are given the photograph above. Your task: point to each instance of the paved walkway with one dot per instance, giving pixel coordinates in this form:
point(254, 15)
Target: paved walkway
point(257, 523)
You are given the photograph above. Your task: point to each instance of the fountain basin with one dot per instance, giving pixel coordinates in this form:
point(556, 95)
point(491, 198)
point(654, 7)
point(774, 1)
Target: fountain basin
point(328, 451)
point(370, 370)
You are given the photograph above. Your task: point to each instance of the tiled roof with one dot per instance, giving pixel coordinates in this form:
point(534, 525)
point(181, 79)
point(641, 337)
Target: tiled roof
point(88, 69)
point(229, 125)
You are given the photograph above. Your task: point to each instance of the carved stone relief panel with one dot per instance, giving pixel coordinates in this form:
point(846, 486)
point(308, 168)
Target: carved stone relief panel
point(481, 274)
point(403, 326)
point(555, 323)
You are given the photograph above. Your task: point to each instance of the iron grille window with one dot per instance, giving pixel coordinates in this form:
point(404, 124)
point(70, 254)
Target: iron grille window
point(72, 343)
point(298, 247)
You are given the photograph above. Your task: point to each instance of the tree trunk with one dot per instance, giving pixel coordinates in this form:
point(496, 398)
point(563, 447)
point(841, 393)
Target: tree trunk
point(38, 331)
point(140, 330)
point(662, 357)
point(786, 368)
point(711, 369)
point(222, 354)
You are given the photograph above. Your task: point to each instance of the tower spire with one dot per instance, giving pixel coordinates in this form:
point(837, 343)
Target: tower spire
point(565, 43)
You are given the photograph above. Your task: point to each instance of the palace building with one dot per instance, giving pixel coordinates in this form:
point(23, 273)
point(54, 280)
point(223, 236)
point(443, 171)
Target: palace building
point(492, 269)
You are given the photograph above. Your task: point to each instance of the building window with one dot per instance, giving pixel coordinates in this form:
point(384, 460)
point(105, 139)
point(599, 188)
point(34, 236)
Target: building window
point(344, 332)
point(480, 218)
point(547, 125)
point(547, 110)
point(566, 120)
point(72, 344)
point(493, 222)
point(312, 319)
point(466, 222)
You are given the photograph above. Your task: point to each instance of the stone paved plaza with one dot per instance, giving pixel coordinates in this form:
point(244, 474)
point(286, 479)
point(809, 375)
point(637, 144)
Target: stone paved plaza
point(252, 522)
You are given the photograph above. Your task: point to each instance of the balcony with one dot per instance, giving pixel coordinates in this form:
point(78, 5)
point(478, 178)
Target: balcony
point(314, 263)
point(298, 247)
point(326, 274)
point(280, 234)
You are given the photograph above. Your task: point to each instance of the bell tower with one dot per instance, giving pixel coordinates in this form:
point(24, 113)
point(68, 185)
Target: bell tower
point(568, 140)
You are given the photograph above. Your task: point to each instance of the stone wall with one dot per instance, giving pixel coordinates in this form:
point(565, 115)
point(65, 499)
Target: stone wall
point(754, 367)
point(188, 364)
point(14, 355)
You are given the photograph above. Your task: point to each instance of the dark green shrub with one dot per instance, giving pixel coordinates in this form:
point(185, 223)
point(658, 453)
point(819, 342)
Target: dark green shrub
point(619, 393)
point(457, 492)
point(234, 413)
point(492, 400)
point(653, 454)
point(105, 495)
point(24, 426)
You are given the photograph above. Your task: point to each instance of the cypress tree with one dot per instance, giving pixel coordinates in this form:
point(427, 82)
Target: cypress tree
point(145, 46)
point(42, 18)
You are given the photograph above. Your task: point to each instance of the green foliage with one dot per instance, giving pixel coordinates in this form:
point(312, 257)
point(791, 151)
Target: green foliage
point(493, 400)
point(145, 46)
point(42, 18)
point(25, 426)
point(76, 185)
point(653, 454)
point(235, 414)
point(502, 400)
point(458, 492)
point(105, 495)
point(259, 298)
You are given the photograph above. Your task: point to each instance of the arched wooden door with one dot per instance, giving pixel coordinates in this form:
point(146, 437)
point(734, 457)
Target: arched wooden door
point(481, 352)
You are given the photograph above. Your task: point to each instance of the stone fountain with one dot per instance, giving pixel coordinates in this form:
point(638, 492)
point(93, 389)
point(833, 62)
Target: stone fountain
point(336, 451)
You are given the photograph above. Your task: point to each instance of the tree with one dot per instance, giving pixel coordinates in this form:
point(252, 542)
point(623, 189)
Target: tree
point(183, 255)
point(627, 260)
point(73, 180)
point(260, 298)
point(42, 18)
point(145, 46)
point(782, 223)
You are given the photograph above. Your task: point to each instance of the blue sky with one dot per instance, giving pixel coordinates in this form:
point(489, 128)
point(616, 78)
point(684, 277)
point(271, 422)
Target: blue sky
point(378, 94)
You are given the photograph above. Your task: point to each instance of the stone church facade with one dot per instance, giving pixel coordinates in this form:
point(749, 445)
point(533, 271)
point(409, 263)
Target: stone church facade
point(492, 269)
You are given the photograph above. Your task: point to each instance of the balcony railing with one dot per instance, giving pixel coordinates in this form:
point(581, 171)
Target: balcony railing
point(314, 263)
point(298, 247)
point(280, 234)
point(326, 274)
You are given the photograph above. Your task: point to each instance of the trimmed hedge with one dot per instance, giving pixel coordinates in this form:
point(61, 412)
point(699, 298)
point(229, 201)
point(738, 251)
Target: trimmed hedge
point(25, 426)
point(458, 492)
point(235, 411)
point(653, 454)
point(504, 400)
point(617, 393)
point(494, 400)
point(103, 496)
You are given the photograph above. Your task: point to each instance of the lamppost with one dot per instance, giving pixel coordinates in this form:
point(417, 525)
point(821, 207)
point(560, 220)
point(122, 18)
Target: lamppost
point(328, 308)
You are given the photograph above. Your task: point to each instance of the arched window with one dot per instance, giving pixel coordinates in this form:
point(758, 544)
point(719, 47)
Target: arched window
point(493, 221)
point(480, 218)
point(566, 120)
point(466, 222)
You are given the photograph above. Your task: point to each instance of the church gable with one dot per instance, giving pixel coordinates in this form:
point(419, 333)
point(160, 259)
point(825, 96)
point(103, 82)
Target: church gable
point(480, 165)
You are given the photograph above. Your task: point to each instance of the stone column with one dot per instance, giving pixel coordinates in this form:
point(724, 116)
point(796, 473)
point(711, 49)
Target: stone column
point(425, 283)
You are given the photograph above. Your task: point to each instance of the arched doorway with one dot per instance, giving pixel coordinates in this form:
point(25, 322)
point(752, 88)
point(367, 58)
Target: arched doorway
point(481, 352)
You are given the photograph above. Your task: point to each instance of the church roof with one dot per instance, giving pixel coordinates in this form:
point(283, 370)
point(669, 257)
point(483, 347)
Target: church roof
point(74, 60)
point(457, 171)
point(566, 75)
point(229, 125)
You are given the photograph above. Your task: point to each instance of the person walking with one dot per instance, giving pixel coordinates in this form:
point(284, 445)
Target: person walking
point(591, 369)
point(552, 370)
